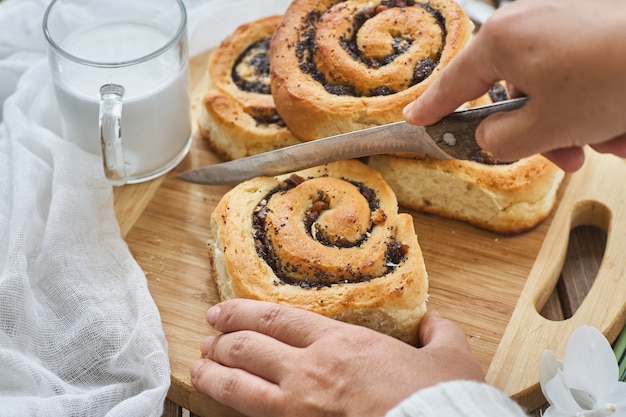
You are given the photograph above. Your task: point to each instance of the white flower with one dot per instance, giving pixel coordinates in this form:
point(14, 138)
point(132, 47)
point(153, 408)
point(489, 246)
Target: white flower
point(585, 383)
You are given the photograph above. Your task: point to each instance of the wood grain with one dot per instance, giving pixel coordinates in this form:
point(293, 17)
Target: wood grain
point(596, 196)
point(476, 277)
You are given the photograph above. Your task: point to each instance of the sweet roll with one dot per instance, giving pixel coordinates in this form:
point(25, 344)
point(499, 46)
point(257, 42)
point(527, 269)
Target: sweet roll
point(506, 198)
point(339, 66)
point(237, 116)
point(327, 239)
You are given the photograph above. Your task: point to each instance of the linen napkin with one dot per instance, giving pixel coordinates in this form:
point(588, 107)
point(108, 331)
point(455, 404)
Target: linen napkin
point(79, 333)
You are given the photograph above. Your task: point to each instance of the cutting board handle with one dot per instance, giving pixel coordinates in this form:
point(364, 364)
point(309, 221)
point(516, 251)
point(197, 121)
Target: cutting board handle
point(593, 197)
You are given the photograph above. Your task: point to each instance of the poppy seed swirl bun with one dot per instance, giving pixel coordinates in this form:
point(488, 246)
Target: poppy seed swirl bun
point(237, 115)
point(507, 199)
point(327, 239)
point(339, 66)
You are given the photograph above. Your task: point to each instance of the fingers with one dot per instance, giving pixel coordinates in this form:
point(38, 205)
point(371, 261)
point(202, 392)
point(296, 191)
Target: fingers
point(295, 327)
point(572, 158)
point(568, 159)
point(509, 136)
point(253, 352)
point(435, 332)
point(513, 91)
point(447, 344)
point(249, 394)
point(465, 78)
point(616, 146)
point(517, 134)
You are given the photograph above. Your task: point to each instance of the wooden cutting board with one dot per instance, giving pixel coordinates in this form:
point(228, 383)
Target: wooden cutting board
point(476, 277)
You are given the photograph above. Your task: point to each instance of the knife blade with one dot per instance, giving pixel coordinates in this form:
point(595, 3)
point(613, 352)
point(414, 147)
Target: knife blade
point(453, 137)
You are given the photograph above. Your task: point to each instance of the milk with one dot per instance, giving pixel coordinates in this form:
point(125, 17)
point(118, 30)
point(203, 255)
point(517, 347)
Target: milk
point(156, 125)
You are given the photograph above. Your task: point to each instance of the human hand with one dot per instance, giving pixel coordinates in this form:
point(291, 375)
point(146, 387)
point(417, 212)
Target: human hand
point(274, 360)
point(567, 56)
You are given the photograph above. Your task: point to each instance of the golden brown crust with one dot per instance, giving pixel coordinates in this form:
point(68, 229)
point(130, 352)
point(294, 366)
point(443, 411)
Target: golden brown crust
point(506, 199)
point(373, 92)
point(334, 244)
point(238, 117)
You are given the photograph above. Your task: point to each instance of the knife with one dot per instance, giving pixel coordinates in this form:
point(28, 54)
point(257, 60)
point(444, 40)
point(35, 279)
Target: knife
point(453, 137)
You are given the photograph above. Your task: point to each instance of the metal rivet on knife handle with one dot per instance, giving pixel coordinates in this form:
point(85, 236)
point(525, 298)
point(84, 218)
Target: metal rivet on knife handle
point(462, 124)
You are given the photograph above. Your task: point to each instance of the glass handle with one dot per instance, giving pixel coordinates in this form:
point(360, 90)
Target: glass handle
point(110, 122)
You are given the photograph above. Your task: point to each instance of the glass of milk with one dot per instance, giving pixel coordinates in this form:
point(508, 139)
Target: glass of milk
point(121, 79)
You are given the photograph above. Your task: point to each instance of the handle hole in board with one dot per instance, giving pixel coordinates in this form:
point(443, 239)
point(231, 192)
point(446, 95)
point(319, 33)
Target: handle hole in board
point(585, 251)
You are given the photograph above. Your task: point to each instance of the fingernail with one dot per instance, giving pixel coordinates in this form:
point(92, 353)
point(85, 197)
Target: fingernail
point(436, 315)
point(407, 110)
point(195, 368)
point(213, 314)
point(484, 139)
point(206, 344)
point(479, 135)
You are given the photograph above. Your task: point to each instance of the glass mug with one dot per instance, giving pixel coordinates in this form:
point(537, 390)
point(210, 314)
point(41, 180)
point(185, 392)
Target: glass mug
point(121, 74)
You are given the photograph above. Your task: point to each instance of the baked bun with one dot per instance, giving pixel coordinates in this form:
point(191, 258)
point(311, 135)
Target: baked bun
point(503, 198)
point(327, 239)
point(337, 67)
point(237, 116)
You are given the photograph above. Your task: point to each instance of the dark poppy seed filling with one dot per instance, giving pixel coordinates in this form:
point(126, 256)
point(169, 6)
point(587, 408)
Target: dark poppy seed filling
point(251, 70)
point(486, 158)
point(396, 253)
point(305, 48)
point(251, 73)
point(264, 116)
point(498, 93)
point(317, 276)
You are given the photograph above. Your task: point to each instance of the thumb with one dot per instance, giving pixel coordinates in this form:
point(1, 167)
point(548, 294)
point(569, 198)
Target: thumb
point(507, 135)
point(436, 331)
point(516, 134)
point(448, 347)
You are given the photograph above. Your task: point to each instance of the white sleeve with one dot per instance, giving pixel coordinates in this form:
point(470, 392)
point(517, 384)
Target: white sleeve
point(458, 399)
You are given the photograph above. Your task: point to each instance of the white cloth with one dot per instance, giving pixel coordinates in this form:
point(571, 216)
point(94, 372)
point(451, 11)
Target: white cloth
point(458, 399)
point(79, 332)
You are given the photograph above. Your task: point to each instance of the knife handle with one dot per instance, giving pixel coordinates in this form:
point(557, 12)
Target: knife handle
point(456, 133)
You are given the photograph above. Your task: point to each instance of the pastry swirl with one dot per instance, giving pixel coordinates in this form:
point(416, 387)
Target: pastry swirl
point(327, 239)
point(338, 66)
point(238, 117)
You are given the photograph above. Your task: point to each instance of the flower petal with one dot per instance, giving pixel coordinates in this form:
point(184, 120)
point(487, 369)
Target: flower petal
point(585, 400)
point(559, 395)
point(618, 397)
point(619, 413)
point(589, 364)
point(552, 411)
point(548, 368)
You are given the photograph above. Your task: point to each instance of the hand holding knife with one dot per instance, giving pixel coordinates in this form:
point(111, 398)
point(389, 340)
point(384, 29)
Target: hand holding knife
point(453, 137)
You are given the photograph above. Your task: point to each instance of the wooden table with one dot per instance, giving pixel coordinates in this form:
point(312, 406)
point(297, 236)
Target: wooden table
point(143, 209)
